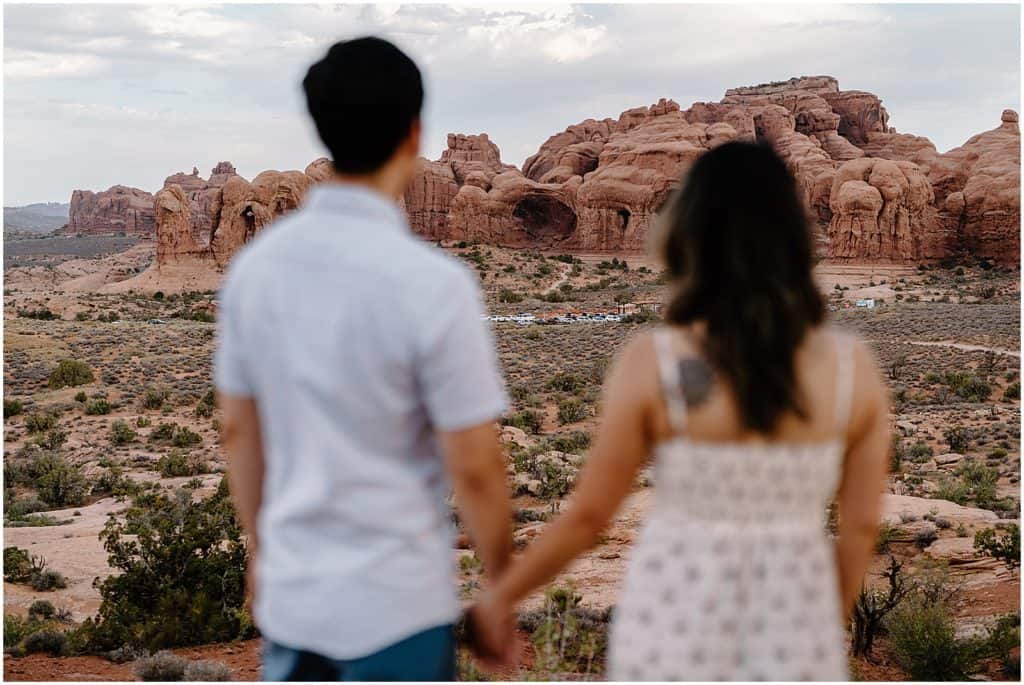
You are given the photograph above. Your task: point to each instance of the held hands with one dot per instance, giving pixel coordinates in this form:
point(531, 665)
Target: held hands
point(492, 633)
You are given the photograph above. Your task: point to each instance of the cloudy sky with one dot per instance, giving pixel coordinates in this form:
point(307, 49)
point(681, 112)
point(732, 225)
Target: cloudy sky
point(99, 95)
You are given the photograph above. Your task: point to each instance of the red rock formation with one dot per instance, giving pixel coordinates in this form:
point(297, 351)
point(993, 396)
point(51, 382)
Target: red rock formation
point(175, 240)
point(874, 194)
point(883, 210)
point(977, 189)
point(235, 211)
point(249, 207)
point(860, 114)
point(119, 209)
point(204, 198)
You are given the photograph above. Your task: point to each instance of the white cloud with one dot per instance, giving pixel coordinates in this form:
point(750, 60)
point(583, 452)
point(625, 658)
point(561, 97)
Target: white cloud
point(29, 65)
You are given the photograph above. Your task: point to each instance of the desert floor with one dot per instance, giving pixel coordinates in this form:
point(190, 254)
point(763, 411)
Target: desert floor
point(928, 323)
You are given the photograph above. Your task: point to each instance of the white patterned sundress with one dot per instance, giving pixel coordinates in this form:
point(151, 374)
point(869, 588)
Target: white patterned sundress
point(733, 576)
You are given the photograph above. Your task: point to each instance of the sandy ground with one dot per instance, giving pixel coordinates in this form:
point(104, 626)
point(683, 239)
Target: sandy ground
point(179, 351)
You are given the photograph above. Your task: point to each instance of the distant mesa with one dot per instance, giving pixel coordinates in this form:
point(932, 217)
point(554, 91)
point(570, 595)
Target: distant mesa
point(118, 209)
point(873, 194)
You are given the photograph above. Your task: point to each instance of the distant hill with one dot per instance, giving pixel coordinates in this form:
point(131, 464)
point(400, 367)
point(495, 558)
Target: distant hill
point(41, 217)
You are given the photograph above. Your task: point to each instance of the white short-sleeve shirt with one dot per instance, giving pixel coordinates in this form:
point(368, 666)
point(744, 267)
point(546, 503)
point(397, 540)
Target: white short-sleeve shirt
point(358, 342)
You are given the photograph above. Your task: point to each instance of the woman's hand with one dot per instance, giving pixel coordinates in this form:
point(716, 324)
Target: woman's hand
point(492, 631)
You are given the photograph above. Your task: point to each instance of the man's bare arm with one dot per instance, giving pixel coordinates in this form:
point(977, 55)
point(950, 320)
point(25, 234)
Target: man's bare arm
point(240, 438)
point(475, 463)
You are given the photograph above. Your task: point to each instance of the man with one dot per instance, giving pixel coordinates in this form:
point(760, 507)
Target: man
point(357, 380)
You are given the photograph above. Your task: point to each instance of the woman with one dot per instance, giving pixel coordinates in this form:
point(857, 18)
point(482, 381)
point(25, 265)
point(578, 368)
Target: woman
point(757, 414)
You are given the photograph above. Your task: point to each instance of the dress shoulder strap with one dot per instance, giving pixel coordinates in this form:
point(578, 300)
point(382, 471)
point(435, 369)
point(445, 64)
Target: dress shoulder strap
point(671, 382)
point(844, 382)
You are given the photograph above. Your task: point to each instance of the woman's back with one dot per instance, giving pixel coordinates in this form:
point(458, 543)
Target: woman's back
point(709, 467)
point(824, 368)
point(733, 577)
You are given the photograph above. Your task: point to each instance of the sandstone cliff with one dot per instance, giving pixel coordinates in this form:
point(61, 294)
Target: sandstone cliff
point(208, 221)
point(872, 193)
point(119, 209)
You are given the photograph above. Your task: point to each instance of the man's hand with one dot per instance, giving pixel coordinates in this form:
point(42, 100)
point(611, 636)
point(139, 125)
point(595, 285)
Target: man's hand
point(492, 634)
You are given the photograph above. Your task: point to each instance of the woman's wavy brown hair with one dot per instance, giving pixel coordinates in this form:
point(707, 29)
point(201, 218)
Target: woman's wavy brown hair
point(739, 251)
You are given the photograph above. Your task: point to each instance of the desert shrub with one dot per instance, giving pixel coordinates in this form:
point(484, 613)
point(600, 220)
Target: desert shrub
point(1005, 547)
point(154, 398)
point(17, 510)
point(1012, 391)
point(18, 565)
point(886, 534)
point(519, 393)
point(556, 477)
point(202, 315)
point(1001, 641)
point(164, 431)
point(642, 316)
point(207, 671)
point(527, 420)
point(968, 386)
point(575, 442)
point(952, 490)
point(179, 574)
point(143, 422)
point(58, 482)
point(566, 382)
point(998, 453)
point(81, 397)
point(158, 295)
point(13, 408)
point(571, 410)
point(121, 433)
point(98, 407)
point(957, 438)
point(598, 370)
point(114, 482)
point(509, 296)
point(47, 640)
point(567, 637)
point(48, 579)
point(163, 666)
point(16, 629)
point(919, 452)
point(184, 437)
point(176, 464)
point(979, 479)
point(897, 452)
point(206, 404)
point(38, 423)
point(872, 606)
point(41, 610)
point(923, 639)
point(71, 372)
point(54, 439)
point(42, 314)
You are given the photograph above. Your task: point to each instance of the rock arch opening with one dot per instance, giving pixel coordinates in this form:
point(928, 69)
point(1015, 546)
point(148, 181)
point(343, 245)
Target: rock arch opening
point(542, 216)
point(249, 217)
point(624, 219)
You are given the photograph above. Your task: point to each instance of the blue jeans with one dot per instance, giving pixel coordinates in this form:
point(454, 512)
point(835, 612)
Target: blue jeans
point(429, 655)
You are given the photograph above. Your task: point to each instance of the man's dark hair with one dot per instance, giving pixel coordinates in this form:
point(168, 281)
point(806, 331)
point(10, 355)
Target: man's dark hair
point(364, 96)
